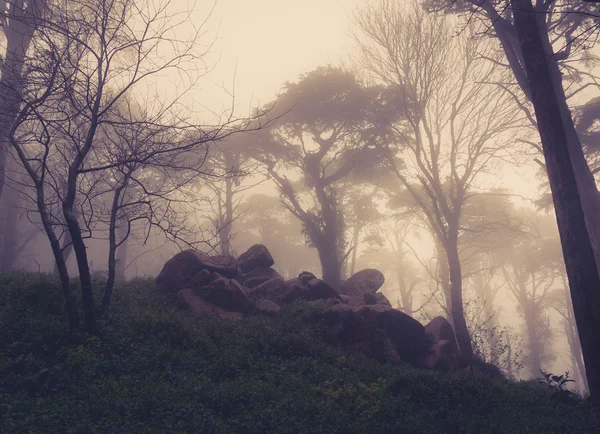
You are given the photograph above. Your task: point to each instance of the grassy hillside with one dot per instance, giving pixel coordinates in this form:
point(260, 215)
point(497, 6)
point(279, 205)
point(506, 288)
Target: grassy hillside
point(160, 370)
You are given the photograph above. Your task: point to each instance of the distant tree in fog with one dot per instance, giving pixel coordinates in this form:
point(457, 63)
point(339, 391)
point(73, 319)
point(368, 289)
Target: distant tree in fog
point(235, 173)
point(266, 221)
point(328, 130)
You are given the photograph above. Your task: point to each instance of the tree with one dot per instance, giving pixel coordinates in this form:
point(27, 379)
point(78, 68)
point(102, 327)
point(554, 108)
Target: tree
point(580, 263)
point(452, 124)
point(328, 130)
point(18, 20)
point(566, 25)
point(78, 139)
point(530, 273)
point(232, 167)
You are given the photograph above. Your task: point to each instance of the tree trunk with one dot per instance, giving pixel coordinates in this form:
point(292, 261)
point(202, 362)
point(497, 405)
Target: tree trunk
point(355, 237)
point(586, 184)
point(10, 232)
point(330, 263)
point(225, 231)
point(328, 244)
point(578, 253)
point(18, 38)
point(87, 291)
point(456, 301)
point(405, 298)
point(67, 248)
point(70, 304)
point(121, 263)
point(534, 360)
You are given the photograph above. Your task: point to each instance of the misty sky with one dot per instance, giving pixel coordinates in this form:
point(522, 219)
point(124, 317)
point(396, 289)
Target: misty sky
point(268, 42)
point(273, 41)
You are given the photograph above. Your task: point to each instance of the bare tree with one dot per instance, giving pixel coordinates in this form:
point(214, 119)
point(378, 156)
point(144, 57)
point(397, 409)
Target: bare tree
point(239, 173)
point(566, 30)
point(453, 123)
point(71, 133)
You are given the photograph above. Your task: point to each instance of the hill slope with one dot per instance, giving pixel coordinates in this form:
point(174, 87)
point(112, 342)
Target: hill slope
point(157, 369)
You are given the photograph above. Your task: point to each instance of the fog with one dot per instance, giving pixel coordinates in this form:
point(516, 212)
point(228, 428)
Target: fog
point(343, 135)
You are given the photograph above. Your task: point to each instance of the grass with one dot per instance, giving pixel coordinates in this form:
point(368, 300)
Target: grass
point(157, 369)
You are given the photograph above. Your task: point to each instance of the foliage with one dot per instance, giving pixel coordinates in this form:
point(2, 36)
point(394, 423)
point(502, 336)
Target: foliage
point(158, 369)
point(557, 384)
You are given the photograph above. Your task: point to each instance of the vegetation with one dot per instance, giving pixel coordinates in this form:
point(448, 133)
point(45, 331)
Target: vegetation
point(158, 369)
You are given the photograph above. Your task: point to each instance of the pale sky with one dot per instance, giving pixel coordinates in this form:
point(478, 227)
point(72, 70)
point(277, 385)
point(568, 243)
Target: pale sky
point(273, 41)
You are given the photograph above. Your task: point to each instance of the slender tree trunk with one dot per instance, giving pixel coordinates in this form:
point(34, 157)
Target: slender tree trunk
point(121, 262)
point(509, 360)
point(10, 230)
point(355, 237)
point(405, 299)
point(580, 261)
point(534, 360)
point(67, 248)
point(225, 231)
point(456, 301)
point(70, 304)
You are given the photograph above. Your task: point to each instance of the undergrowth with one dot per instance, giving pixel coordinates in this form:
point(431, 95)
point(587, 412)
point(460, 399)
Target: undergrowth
point(157, 369)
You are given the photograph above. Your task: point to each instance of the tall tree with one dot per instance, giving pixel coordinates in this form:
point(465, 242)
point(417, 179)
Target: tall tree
point(452, 124)
point(580, 263)
point(18, 20)
point(328, 129)
point(564, 27)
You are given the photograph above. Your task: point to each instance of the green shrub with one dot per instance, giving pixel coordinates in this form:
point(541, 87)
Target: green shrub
point(160, 369)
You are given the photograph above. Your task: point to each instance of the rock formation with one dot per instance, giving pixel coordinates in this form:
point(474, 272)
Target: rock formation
point(358, 315)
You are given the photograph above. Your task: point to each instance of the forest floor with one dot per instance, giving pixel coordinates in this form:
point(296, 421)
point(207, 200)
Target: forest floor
point(157, 369)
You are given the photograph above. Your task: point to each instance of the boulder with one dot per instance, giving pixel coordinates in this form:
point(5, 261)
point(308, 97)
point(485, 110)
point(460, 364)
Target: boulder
point(256, 256)
point(279, 291)
point(266, 307)
point(267, 272)
point(201, 278)
point(269, 290)
point(441, 357)
point(369, 299)
point(255, 281)
point(198, 305)
point(382, 299)
point(305, 277)
point(337, 314)
point(379, 347)
point(295, 291)
point(224, 260)
point(345, 298)
point(226, 294)
point(406, 334)
point(365, 281)
point(178, 270)
point(321, 290)
point(440, 330)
